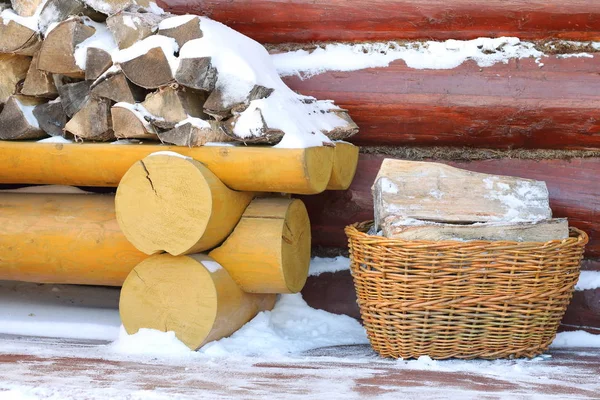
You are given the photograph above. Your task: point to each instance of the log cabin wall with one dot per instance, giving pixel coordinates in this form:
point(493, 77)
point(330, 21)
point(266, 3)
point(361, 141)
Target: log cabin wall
point(540, 123)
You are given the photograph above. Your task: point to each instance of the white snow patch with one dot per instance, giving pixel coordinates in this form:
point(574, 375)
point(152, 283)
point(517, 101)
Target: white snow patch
point(211, 266)
point(168, 45)
point(130, 21)
point(576, 339)
point(155, 9)
point(55, 139)
point(320, 265)
point(101, 39)
point(526, 195)
point(291, 327)
point(418, 55)
point(126, 141)
point(575, 55)
point(28, 22)
point(588, 280)
point(243, 63)
point(195, 122)
point(170, 154)
point(149, 342)
point(220, 144)
point(142, 114)
point(174, 22)
point(27, 113)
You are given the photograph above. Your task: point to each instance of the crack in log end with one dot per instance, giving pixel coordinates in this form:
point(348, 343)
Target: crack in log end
point(148, 177)
point(140, 278)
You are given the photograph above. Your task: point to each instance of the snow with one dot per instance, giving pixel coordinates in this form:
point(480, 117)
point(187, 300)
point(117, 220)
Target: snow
point(575, 55)
point(149, 342)
point(28, 22)
point(576, 339)
point(320, 265)
point(155, 9)
point(168, 45)
point(242, 64)
point(141, 113)
point(220, 144)
point(170, 154)
point(588, 280)
point(101, 39)
point(27, 113)
point(174, 22)
point(55, 139)
point(291, 327)
point(211, 266)
point(195, 122)
point(131, 22)
point(418, 55)
point(526, 195)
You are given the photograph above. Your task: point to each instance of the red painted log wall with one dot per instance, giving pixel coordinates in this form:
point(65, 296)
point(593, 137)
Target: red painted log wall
point(514, 105)
point(277, 21)
point(574, 187)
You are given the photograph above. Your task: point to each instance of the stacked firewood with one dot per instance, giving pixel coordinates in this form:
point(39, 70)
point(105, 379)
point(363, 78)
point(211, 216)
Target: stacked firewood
point(431, 201)
point(103, 70)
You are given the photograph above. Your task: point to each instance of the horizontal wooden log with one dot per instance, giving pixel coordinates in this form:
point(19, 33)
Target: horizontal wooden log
point(302, 171)
point(572, 184)
point(583, 312)
point(509, 105)
point(272, 21)
point(63, 238)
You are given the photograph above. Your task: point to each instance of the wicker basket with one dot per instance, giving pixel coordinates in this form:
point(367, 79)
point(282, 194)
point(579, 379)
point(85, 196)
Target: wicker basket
point(478, 299)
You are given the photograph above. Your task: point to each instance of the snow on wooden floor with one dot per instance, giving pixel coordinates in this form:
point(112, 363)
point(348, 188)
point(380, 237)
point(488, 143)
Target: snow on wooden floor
point(32, 368)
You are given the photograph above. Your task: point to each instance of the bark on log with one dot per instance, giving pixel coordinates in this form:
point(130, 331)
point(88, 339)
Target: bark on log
point(269, 249)
point(539, 231)
point(304, 171)
point(272, 21)
point(18, 39)
point(128, 28)
point(58, 49)
point(190, 295)
point(345, 160)
point(37, 82)
point(175, 204)
point(13, 69)
point(17, 121)
point(97, 62)
point(568, 181)
point(92, 121)
point(513, 105)
point(127, 124)
point(191, 135)
point(172, 105)
point(197, 73)
point(150, 70)
point(74, 96)
point(436, 192)
point(63, 238)
point(52, 118)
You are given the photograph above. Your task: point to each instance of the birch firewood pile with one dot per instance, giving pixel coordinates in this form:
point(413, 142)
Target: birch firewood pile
point(216, 234)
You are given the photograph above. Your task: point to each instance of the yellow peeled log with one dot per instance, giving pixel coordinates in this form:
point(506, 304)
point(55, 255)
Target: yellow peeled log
point(269, 249)
point(63, 238)
point(190, 295)
point(175, 204)
point(345, 161)
point(253, 169)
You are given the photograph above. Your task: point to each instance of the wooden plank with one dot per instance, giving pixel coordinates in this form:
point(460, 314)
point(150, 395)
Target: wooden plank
point(509, 105)
point(305, 171)
point(572, 184)
point(275, 21)
point(583, 312)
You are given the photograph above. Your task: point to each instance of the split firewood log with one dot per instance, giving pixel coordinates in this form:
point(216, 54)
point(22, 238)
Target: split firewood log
point(129, 27)
point(537, 231)
point(116, 87)
point(18, 39)
point(260, 133)
point(182, 28)
point(219, 106)
point(440, 193)
point(57, 54)
point(13, 69)
point(269, 249)
point(109, 7)
point(98, 61)
point(197, 73)
point(37, 82)
point(92, 121)
point(192, 296)
point(148, 63)
point(129, 123)
point(194, 132)
point(25, 8)
point(74, 96)
point(17, 121)
point(51, 117)
point(56, 11)
point(168, 202)
point(172, 104)
point(345, 161)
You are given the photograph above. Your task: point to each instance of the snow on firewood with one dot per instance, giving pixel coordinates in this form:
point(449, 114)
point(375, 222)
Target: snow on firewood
point(101, 39)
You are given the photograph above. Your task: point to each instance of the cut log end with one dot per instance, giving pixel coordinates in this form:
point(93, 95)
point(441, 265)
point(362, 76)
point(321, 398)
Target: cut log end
point(190, 295)
point(150, 70)
point(269, 250)
point(128, 125)
point(17, 121)
point(175, 204)
point(13, 69)
point(345, 161)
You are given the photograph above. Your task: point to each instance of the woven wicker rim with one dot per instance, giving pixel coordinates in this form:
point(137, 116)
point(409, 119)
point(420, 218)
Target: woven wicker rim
point(359, 229)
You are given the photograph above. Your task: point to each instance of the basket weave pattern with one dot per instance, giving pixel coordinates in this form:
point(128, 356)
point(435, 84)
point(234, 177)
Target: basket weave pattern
point(477, 299)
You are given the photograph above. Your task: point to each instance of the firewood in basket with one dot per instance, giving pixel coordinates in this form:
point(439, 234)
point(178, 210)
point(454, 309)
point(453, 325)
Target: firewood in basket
point(17, 121)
